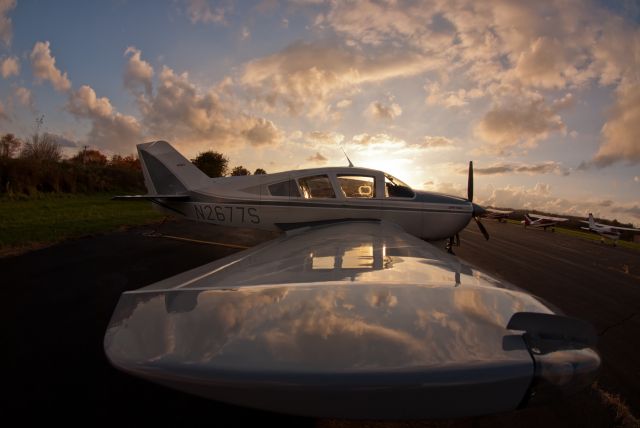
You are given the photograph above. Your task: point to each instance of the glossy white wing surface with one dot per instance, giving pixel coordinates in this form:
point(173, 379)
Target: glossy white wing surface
point(353, 320)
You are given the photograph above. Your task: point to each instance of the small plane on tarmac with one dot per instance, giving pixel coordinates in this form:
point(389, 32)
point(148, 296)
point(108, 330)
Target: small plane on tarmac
point(535, 220)
point(348, 313)
point(605, 230)
point(495, 214)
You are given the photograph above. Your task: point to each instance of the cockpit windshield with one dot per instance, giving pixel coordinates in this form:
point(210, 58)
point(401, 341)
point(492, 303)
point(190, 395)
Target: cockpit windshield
point(395, 188)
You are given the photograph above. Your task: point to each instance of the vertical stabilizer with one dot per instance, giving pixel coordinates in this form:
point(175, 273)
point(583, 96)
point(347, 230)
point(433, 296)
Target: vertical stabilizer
point(166, 171)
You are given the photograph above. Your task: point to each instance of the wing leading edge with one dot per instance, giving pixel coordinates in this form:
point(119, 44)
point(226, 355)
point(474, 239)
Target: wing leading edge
point(352, 320)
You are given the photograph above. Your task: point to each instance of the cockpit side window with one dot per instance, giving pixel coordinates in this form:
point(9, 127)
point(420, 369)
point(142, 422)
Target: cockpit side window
point(394, 188)
point(316, 186)
point(285, 188)
point(357, 186)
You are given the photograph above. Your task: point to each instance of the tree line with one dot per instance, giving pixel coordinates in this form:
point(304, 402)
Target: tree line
point(36, 165)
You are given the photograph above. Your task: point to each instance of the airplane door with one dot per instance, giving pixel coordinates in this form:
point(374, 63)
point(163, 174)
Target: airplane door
point(359, 195)
point(399, 206)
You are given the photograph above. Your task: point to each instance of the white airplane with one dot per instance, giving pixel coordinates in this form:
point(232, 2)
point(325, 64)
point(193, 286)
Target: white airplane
point(500, 215)
point(348, 314)
point(535, 220)
point(605, 230)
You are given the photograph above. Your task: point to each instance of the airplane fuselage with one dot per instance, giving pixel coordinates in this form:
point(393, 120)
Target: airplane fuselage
point(248, 201)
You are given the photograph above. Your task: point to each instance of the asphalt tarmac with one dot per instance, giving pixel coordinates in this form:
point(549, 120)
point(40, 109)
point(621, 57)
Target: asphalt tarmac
point(58, 302)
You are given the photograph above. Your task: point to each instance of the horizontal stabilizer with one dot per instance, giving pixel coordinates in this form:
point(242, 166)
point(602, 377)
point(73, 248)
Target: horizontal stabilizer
point(147, 197)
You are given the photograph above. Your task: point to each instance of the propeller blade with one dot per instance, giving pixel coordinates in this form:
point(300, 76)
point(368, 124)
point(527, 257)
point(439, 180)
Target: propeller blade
point(470, 183)
point(482, 229)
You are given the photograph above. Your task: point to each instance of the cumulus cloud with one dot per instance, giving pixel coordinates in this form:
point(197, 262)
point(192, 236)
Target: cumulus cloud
point(621, 132)
point(383, 110)
point(203, 11)
point(318, 158)
point(263, 132)
point(110, 129)
point(541, 197)
point(519, 121)
point(326, 138)
point(549, 167)
point(545, 64)
point(178, 110)
point(502, 50)
point(138, 73)
point(6, 26)
point(377, 139)
point(44, 67)
point(305, 77)
point(435, 142)
point(450, 99)
point(9, 66)
point(344, 103)
point(63, 141)
point(24, 96)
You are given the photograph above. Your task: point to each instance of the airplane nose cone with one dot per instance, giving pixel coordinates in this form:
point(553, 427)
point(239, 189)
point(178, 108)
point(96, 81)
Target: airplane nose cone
point(477, 210)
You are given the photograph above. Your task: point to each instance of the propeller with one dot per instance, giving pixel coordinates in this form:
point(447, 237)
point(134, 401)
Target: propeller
point(477, 209)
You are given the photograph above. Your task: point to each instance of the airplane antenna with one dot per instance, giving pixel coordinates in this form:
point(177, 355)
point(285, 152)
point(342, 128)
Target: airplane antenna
point(345, 155)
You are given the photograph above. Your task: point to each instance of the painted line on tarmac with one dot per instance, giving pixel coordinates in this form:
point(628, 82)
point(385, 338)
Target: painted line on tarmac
point(197, 241)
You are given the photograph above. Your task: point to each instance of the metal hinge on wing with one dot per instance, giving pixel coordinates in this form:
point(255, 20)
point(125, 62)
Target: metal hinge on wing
point(563, 352)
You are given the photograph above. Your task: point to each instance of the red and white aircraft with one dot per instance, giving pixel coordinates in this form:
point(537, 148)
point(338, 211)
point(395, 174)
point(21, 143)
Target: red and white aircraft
point(604, 230)
point(542, 221)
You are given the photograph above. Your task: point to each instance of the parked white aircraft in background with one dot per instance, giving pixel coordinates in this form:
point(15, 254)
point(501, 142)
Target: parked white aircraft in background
point(535, 220)
point(346, 315)
point(495, 214)
point(605, 230)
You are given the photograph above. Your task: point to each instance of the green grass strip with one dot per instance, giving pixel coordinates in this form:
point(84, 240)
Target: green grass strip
point(53, 218)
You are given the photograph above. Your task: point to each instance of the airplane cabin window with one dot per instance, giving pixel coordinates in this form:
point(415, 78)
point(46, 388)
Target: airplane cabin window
point(357, 186)
point(284, 188)
point(394, 188)
point(316, 186)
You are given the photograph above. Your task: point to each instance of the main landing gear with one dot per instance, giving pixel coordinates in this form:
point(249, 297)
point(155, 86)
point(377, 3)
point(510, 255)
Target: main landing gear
point(453, 241)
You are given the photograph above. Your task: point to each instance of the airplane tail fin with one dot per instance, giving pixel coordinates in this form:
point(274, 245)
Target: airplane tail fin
point(527, 220)
point(167, 172)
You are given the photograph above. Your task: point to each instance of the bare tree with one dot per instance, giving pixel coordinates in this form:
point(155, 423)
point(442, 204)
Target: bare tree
point(9, 145)
point(42, 147)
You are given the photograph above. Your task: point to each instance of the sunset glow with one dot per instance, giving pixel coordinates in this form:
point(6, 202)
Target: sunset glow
point(544, 97)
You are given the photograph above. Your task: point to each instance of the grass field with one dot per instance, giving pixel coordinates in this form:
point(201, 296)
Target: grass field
point(35, 222)
point(589, 236)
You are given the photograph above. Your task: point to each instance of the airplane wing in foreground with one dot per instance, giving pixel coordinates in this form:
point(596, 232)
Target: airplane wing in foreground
point(350, 320)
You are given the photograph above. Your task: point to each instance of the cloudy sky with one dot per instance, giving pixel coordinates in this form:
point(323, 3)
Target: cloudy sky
point(543, 96)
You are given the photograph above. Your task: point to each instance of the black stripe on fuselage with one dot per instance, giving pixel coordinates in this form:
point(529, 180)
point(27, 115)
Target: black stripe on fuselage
point(217, 200)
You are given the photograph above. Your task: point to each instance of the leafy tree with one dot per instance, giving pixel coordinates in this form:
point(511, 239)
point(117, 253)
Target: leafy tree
point(240, 170)
point(212, 163)
point(129, 161)
point(259, 171)
point(42, 147)
point(89, 157)
point(9, 145)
